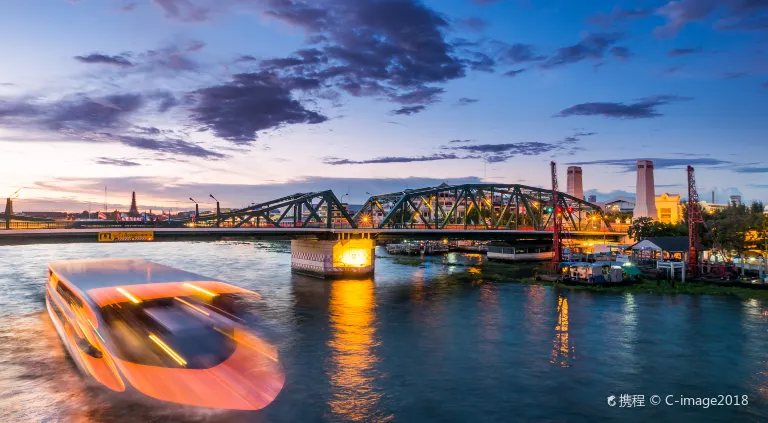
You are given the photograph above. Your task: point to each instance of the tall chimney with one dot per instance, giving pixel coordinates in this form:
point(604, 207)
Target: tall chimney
point(713, 196)
point(574, 184)
point(645, 198)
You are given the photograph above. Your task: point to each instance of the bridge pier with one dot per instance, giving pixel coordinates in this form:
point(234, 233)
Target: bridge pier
point(344, 258)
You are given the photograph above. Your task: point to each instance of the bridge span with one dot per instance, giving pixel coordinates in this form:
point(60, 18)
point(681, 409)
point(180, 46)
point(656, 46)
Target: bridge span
point(326, 240)
point(323, 252)
point(37, 236)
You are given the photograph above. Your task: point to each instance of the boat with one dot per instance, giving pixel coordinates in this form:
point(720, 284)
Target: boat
point(142, 328)
point(598, 273)
point(519, 252)
point(418, 248)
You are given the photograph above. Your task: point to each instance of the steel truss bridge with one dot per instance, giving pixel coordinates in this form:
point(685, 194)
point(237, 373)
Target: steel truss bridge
point(447, 207)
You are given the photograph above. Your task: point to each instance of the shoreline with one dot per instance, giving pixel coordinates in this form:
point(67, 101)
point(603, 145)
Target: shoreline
point(522, 273)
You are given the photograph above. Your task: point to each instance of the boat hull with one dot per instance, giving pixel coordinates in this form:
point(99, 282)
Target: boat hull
point(520, 257)
point(71, 349)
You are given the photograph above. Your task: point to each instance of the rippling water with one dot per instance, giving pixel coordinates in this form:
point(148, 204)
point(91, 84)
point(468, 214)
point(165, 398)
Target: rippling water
point(416, 344)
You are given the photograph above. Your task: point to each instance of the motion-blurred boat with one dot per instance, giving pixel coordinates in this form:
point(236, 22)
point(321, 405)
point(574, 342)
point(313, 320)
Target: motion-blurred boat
point(137, 326)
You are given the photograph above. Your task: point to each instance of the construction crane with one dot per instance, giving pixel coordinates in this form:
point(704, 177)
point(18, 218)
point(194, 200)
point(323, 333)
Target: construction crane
point(557, 249)
point(694, 218)
point(8, 215)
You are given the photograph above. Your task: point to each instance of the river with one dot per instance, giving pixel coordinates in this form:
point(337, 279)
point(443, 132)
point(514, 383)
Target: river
point(414, 344)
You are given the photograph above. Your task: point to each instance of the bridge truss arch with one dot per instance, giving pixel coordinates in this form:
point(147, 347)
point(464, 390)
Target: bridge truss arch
point(479, 206)
point(301, 210)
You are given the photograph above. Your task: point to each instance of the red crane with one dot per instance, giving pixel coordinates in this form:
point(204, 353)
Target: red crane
point(556, 212)
point(694, 218)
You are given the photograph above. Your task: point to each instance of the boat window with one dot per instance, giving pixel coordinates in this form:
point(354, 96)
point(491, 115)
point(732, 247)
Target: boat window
point(141, 333)
point(68, 295)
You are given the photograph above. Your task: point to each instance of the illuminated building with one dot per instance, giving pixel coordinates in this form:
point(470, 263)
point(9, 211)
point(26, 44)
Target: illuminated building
point(669, 208)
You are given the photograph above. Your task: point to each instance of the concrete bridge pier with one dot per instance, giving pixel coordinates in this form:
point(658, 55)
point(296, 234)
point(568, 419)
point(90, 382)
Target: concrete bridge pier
point(338, 258)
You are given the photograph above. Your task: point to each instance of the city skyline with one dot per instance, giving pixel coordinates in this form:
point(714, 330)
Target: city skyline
point(251, 100)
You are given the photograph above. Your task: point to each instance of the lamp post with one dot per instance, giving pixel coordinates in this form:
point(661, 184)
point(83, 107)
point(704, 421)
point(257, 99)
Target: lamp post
point(218, 211)
point(197, 209)
point(370, 195)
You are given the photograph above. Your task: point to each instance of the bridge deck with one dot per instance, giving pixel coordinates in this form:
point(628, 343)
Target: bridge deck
point(181, 234)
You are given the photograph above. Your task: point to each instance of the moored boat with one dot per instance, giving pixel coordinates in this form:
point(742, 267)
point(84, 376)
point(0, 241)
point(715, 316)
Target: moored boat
point(520, 252)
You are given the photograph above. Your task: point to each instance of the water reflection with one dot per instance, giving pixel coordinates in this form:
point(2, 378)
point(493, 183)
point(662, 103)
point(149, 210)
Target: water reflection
point(629, 332)
point(490, 318)
point(562, 349)
point(353, 358)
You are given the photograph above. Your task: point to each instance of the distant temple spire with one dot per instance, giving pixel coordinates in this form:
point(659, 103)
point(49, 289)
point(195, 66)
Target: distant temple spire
point(134, 211)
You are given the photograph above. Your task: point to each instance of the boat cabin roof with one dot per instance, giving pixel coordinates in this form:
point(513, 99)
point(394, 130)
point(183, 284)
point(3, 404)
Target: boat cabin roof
point(85, 275)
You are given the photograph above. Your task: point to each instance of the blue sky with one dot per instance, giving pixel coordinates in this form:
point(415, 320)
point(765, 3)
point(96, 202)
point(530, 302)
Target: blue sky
point(253, 99)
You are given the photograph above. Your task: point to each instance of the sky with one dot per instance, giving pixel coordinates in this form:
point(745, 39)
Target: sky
point(249, 100)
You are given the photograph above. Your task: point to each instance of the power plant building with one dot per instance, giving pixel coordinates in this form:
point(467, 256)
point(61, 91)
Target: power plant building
point(645, 198)
point(574, 185)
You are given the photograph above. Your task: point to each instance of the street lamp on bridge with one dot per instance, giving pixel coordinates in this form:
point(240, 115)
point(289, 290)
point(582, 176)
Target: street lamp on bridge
point(197, 208)
point(218, 211)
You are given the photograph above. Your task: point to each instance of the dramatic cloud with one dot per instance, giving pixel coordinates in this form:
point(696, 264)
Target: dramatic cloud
point(374, 47)
point(421, 96)
point(479, 62)
point(434, 157)
point(250, 102)
point(732, 15)
point(513, 73)
point(621, 52)
point(463, 150)
point(246, 58)
point(171, 59)
point(164, 145)
point(99, 120)
point(593, 46)
point(116, 162)
point(464, 101)
point(166, 61)
point(618, 15)
point(630, 165)
point(683, 51)
point(512, 54)
point(473, 23)
point(408, 110)
point(642, 108)
point(183, 10)
point(105, 59)
point(393, 49)
point(521, 148)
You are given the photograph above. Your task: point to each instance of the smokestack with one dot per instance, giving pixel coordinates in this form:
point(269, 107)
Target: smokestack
point(645, 198)
point(713, 196)
point(574, 184)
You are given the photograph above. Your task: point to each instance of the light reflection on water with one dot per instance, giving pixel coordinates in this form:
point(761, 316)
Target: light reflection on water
point(563, 350)
point(415, 344)
point(353, 357)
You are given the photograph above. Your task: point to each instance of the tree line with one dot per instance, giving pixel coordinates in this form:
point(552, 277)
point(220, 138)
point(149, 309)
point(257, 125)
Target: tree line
point(735, 229)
